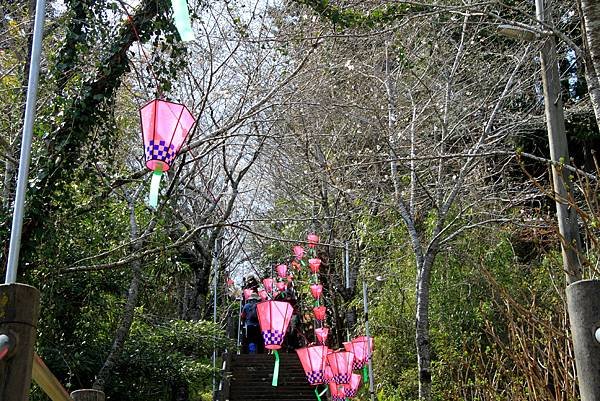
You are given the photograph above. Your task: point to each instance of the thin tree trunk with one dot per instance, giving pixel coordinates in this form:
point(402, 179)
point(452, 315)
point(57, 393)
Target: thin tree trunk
point(128, 313)
point(590, 13)
point(422, 327)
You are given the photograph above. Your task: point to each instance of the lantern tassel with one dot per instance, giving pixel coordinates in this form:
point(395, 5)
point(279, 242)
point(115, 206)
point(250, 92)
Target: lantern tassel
point(365, 374)
point(324, 391)
point(182, 20)
point(317, 393)
point(155, 186)
point(275, 369)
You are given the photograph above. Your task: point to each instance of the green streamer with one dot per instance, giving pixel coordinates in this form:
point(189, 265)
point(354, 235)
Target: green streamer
point(183, 23)
point(155, 186)
point(317, 393)
point(365, 374)
point(275, 369)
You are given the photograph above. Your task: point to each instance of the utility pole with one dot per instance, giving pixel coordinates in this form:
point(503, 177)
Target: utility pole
point(583, 296)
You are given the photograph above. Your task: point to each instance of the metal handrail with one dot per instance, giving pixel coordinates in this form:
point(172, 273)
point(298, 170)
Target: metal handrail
point(4, 345)
point(47, 381)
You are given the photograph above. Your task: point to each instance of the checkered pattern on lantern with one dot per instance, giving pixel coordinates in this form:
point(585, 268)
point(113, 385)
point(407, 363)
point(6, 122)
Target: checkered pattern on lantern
point(337, 398)
point(315, 377)
point(160, 151)
point(272, 337)
point(349, 392)
point(342, 378)
point(356, 365)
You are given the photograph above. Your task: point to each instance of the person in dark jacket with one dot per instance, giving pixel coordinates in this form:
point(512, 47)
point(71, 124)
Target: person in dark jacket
point(253, 342)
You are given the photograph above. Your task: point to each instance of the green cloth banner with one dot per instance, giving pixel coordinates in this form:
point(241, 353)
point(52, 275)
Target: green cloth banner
point(155, 186)
point(365, 374)
point(182, 20)
point(275, 369)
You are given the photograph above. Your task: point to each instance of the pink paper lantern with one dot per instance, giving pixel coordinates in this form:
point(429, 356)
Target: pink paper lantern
point(321, 335)
point(282, 271)
point(313, 361)
point(165, 126)
point(268, 284)
point(313, 240)
point(314, 264)
point(229, 282)
point(328, 374)
point(281, 286)
point(274, 319)
point(298, 252)
point(247, 293)
point(319, 312)
point(336, 391)
point(341, 366)
point(316, 290)
point(351, 388)
point(263, 295)
point(358, 347)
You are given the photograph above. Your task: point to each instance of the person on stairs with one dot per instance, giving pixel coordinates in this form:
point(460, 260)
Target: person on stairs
point(253, 342)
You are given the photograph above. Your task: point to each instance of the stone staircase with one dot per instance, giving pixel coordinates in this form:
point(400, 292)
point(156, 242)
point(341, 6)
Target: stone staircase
point(250, 379)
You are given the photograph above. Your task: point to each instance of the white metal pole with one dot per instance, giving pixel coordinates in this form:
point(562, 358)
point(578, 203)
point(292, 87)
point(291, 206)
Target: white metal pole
point(215, 287)
point(347, 263)
point(366, 306)
point(30, 107)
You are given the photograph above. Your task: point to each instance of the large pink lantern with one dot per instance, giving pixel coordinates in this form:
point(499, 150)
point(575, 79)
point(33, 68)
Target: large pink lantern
point(351, 388)
point(274, 318)
point(319, 312)
point(321, 335)
point(314, 264)
point(313, 361)
point(313, 240)
point(165, 126)
point(336, 391)
point(341, 366)
point(316, 290)
point(358, 347)
point(282, 270)
point(268, 284)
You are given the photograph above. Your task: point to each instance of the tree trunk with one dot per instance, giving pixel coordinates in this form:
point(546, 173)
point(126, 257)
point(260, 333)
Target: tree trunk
point(128, 314)
point(590, 13)
point(422, 327)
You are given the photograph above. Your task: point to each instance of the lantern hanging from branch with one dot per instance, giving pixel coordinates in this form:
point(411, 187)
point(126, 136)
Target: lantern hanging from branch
point(281, 286)
point(165, 127)
point(351, 388)
point(274, 318)
point(247, 293)
point(263, 295)
point(282, 270)
point(313, 240)
point(316, 290)
point(328, 374)
point(313, 361)
point(268, 284)
point(314, 264)
point(319, 312)
point(341, 366)
point(298, 252)
point(321, 335)
point(336, 391)
point(361, 349)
